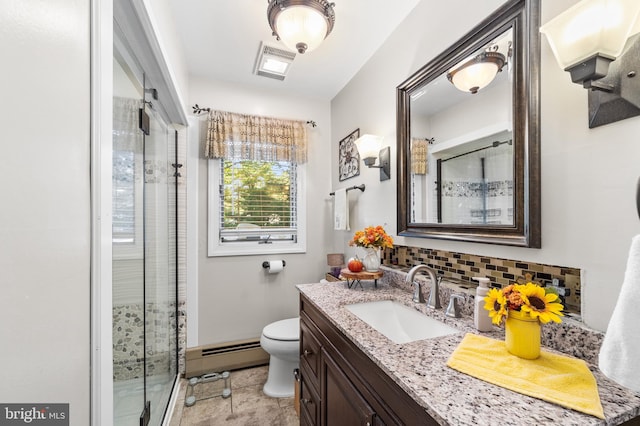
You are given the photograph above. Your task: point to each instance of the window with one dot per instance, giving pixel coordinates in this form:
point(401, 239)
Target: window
point(256, 184)
point(124, 198)
point(254, 207)
point(127, 180)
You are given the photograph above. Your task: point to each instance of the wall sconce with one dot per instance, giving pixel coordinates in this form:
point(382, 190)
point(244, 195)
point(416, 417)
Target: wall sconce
point(588, 41)
point(477, 72)
point(301, 24)
point(369, 148)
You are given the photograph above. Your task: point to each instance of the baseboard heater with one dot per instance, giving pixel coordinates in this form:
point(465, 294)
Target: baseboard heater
point(224, 356)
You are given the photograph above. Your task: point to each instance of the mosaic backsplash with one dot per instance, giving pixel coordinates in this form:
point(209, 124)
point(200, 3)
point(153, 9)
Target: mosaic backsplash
point(501, 272)
point(499, 188)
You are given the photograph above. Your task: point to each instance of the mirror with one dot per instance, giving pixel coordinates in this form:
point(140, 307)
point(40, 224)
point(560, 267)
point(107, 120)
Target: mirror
point(468, 136)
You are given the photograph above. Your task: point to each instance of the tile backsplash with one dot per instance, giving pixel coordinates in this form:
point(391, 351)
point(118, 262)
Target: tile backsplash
point(502, 272)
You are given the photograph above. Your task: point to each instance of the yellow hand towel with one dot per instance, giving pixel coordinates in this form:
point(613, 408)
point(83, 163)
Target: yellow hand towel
point(555, 378)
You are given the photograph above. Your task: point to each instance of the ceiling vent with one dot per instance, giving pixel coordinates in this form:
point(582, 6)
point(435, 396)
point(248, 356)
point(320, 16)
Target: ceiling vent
point(273, 62)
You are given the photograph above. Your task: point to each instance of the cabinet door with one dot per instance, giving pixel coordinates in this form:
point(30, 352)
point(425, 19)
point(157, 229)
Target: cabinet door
point(342, 403)
point(309, 352)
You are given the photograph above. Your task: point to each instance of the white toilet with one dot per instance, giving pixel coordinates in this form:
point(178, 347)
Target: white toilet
point(281, 340)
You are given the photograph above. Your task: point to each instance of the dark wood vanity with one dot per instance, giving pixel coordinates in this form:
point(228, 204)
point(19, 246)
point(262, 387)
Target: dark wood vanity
point(340, 385)
point(351, 374)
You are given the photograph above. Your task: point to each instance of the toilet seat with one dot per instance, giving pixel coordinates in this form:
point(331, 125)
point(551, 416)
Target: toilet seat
point(287, 330)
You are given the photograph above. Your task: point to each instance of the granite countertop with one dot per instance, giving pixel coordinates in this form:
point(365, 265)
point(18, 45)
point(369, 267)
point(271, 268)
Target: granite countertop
point(451, 397)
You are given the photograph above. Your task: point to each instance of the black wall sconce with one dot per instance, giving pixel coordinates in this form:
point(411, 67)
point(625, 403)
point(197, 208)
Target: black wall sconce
point(369, 148)
point(591, 41)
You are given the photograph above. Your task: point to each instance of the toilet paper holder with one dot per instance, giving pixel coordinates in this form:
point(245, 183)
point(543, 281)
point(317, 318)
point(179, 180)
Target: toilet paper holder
point(265, 264)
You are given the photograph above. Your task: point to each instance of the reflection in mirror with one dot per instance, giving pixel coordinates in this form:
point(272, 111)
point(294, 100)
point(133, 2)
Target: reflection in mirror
point(457, 190)
point(476, 187)
point(468, 164)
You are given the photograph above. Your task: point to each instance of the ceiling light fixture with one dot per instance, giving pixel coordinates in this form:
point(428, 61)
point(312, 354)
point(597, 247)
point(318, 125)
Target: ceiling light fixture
point(301, 24)
point(477, 72)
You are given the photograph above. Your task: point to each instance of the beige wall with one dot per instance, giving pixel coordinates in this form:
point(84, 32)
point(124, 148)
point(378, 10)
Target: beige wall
point(44, 219)
point(588, 176)
point(235, 297)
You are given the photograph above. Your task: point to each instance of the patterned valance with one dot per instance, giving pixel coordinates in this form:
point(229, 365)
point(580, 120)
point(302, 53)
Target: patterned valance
point(251, 137)
point(419, 156)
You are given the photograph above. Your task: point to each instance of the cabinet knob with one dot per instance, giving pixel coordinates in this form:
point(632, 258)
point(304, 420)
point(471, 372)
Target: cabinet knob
point(307, 352)
point(305, 401)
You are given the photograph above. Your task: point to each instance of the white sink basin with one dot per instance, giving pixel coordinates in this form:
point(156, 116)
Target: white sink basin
point(398, 322)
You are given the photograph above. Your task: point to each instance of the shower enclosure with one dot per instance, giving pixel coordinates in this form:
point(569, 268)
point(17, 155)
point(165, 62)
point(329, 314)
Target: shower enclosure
point(476, 187)
point(144, 238)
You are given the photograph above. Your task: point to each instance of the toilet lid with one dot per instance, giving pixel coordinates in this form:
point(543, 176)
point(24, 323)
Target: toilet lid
point(288, 329)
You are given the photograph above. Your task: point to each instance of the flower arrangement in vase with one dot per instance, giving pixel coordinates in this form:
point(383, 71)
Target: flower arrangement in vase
point(523, 307)
point(372, 238)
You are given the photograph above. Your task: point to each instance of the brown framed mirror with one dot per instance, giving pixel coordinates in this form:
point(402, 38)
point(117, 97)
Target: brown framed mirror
point(468, 135)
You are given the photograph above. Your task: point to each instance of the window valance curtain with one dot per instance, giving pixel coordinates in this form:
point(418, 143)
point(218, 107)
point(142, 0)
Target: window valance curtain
point(250, 137)
point(419, 156)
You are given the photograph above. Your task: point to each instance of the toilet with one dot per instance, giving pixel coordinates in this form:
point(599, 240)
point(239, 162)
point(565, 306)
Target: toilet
point(281, 340)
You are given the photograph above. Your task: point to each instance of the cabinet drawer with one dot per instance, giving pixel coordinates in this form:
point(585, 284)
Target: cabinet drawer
point(309, 352)
point(309, 404)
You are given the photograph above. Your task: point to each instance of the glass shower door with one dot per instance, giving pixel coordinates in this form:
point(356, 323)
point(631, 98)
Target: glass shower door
point(144, 253)
point(160, 265)
point(127, 247)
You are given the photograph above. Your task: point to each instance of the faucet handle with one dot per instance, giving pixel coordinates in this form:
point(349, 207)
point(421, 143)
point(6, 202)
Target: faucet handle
point(417, 294)
point(453, 310)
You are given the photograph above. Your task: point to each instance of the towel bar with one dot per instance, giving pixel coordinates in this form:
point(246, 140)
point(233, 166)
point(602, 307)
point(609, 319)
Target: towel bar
point(360, 187)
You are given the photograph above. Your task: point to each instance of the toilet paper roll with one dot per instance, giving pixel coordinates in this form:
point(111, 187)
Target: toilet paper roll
point(275, 266)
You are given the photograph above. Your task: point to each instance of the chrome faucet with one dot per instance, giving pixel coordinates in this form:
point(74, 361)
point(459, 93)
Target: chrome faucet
point(434, 295)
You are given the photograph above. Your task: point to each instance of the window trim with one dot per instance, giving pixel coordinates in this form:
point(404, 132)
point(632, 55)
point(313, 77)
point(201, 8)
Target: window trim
point(215, 247)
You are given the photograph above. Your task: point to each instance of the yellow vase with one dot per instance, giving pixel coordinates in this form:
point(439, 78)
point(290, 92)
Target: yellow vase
point(522, 335)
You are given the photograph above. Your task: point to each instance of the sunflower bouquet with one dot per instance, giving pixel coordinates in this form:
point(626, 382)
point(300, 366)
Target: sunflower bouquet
point(529, 298)
point(372, 237)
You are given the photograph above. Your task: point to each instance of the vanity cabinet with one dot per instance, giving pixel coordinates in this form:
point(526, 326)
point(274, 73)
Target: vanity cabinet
point(339, 384)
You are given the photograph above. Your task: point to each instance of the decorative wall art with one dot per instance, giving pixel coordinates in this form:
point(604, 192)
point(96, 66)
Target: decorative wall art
point(348, 156)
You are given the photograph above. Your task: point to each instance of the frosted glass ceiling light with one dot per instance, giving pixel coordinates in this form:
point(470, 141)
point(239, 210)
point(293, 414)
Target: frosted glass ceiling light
point(301, 25)
point(586, 40)
point(477, 72)
point(369, 148)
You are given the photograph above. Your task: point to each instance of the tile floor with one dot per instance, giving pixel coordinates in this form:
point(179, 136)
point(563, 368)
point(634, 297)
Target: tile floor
point(247, 405)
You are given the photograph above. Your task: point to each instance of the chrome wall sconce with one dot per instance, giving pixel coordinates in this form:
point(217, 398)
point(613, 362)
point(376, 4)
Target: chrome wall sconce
point(370, 149)
point(302, 25)
point(591, 41)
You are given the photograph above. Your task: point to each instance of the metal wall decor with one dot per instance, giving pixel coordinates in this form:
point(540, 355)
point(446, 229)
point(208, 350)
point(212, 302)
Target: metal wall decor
point(348, 156)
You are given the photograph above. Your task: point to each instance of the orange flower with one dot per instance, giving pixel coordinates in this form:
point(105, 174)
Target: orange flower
point(372, 236)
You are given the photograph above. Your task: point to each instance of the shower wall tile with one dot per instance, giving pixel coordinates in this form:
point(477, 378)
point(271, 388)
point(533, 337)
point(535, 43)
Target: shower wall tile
point(502, 272)
point(128, 340)
point(182, 249)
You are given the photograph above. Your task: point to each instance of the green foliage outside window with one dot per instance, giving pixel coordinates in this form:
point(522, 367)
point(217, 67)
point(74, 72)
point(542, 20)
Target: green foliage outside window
point(258, 193)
